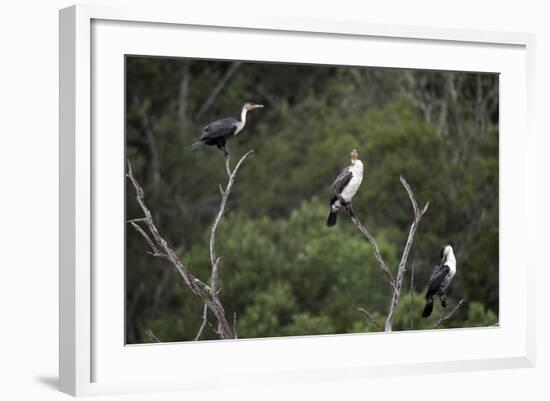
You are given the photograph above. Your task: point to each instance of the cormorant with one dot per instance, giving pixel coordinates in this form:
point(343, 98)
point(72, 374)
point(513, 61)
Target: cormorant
point(440, 279)
point(219, 131)
point(344, 187)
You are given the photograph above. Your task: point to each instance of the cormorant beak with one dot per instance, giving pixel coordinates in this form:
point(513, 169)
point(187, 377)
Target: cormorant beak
point(258, 106)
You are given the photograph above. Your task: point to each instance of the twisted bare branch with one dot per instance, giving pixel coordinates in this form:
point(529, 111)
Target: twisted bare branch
point(161, 244)
point(160, 247)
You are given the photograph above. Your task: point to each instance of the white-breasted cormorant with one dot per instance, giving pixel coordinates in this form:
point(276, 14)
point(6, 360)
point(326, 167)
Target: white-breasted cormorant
point(440, 279)
point(345, 186)
point(219, 131)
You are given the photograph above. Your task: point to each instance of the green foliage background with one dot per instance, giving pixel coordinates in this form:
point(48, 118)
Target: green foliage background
point(283, 272)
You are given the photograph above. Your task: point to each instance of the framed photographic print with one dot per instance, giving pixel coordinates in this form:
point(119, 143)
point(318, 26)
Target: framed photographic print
point(280, 187)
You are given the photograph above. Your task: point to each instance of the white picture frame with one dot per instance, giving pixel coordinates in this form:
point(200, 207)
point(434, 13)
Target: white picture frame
point(96, 361)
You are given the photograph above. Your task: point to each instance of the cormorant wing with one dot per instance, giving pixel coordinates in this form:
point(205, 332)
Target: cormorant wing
point(342, 180)
point(219, 128)
point(438, 275)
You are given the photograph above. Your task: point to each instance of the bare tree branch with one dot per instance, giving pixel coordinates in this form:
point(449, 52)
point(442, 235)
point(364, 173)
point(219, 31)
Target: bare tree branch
point(214, 259)
point(442, 318)
point(370, 317)
point(162, 244)
point(396, 282)
point(148, 239)
point(152, 337)
point(418, 213)
point(160, 247)
point(377, 253)
point(204, 321)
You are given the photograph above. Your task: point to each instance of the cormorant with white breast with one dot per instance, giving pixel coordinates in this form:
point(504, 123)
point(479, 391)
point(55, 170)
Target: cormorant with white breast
point(219, 131)
point(345, 187)
point(440, 279)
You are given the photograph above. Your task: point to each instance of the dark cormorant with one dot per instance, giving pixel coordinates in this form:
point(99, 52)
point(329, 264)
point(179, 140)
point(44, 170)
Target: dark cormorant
point(345, 186)
point(219, 131)
point(440, 279)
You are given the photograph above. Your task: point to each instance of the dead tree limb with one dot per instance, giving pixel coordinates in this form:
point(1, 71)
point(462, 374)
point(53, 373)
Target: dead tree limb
point(395, 282)
point(204, 322)
point(442, 318)
point(418, 213)
point(160, 248)
point(385, 269)
point(152, 337)
point(155, 251)
point(214, 259)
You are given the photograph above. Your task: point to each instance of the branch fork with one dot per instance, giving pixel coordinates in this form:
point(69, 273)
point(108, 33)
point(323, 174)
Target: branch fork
point(394, 282)
point(442, 317)
point(160, 248)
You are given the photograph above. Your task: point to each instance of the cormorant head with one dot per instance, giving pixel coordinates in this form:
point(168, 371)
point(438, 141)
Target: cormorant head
point(354, 155)
point(445, 251)
point(251, 105)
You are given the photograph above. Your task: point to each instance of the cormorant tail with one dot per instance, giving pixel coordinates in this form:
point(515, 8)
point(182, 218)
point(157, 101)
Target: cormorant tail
point(195, 146)
point(428, 308)
point(331, 221)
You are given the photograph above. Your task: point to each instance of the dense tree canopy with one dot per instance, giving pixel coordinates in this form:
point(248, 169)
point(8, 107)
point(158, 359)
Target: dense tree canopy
point(283, 271)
